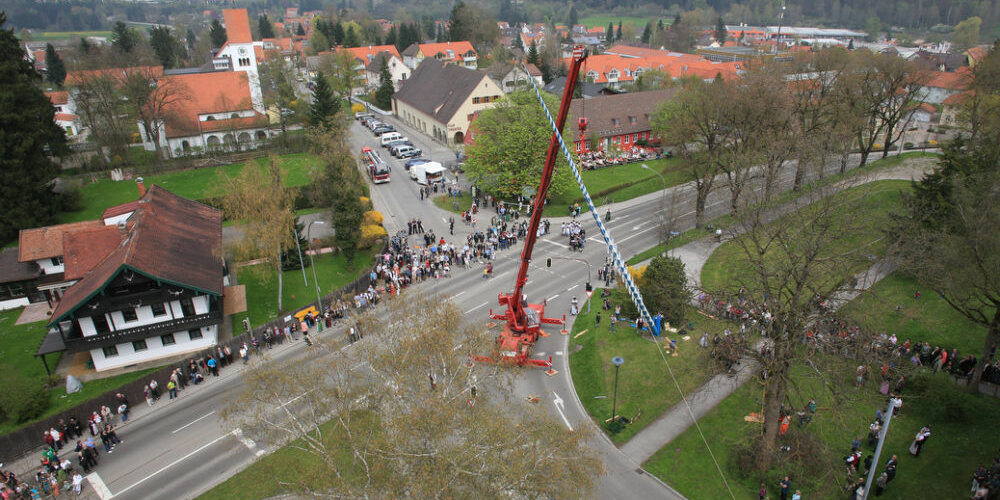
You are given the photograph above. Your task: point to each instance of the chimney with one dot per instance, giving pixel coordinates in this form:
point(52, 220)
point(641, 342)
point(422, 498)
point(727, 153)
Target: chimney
point(142, 187)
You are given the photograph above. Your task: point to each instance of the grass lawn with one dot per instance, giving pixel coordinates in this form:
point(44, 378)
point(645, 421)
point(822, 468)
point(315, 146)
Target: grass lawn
point(643, 382)
point(49, 36)
point(331, 270)
point(264, 478)
point(443, 202)
point(964, 427)
point(928, 318)
point(195, 184)
point(18, 344)
point(727, 268)
point(624, 182)
point(638, 22)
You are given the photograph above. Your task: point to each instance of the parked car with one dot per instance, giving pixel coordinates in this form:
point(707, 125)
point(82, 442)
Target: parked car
point(408, 152)
point(398, 142)
point(378, 131)
point(363, 114)
point(414, 161)
point(372, 123)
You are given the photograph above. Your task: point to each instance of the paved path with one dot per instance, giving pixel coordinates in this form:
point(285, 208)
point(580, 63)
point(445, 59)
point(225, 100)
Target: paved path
point(679, 418)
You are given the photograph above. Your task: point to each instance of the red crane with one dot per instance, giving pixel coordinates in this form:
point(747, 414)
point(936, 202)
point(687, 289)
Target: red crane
point(524, 320)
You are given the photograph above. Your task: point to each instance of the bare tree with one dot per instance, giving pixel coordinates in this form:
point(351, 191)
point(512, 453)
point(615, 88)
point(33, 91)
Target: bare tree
point(103, 111)
point(152, 98)
point(259, 199)
point(407, 414)
point(692, 124)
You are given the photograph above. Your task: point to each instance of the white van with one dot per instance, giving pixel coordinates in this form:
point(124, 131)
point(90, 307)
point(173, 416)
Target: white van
point(425, 173)
point(388, 137)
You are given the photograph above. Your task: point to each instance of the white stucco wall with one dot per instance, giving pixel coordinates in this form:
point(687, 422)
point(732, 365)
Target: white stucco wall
point(154, 349)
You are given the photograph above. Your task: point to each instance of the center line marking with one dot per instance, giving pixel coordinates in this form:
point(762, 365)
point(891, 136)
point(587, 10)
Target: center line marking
point(179, 460)
point(553, 297)
point(457, 294)
point(193, 422)
point(477, 307)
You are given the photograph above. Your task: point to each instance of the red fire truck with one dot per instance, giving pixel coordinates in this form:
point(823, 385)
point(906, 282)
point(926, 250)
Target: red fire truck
point(377, 168)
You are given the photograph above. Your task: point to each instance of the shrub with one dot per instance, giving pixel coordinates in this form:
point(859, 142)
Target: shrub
point(371, 234)
point(373, 217)
point(71, 200)
point(21, 398)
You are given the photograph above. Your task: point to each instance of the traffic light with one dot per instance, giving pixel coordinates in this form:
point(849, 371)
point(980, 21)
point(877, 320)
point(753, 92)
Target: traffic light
point(589, 288)
point(548, 262)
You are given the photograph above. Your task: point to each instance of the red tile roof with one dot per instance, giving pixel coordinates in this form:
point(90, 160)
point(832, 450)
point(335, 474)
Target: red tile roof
point(169, 238)
point(65, 117)
point(459, 49)
point(85, 249)
point(976, 54)
point(58, 98)
point(221, 92)
point(958, 80)
point(367, 53)
point(46, 242)
point(122, 209)
point(237, 26)
point(958, 99)
point(119, 74)
point(256, 121)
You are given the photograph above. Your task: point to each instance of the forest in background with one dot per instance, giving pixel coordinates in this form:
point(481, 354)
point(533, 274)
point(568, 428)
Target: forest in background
point(917, 15)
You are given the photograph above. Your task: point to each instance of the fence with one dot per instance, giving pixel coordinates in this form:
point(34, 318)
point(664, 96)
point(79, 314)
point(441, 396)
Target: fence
point(29, 438)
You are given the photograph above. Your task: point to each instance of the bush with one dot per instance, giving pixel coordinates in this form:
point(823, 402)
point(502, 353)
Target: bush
point(373, 217)
point(71, 200)
point(21, 398)
point(371, 234)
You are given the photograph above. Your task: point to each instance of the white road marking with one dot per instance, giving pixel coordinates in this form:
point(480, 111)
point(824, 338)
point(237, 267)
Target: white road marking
point(249, 443)
point(102, 490)
point(559, 406)
point(559, 353)
point(179, 460)
point(296, 398)
point(572, 287)
point(477, 307)
point(542, 353)
point(193, 422)
point(453, 297)
point(553, 297)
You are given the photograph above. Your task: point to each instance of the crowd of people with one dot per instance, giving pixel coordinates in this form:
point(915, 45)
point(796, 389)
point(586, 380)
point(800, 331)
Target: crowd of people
point(576, 233)
point(597, 159)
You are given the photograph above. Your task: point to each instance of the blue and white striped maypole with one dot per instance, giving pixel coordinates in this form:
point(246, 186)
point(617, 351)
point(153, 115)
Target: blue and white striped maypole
point(612, 248)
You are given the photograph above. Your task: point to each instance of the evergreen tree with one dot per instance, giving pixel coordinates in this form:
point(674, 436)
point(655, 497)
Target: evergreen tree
point(265, 27)
point(164, 45)
point(457, 29)
point(55, 68)
point(123, 38)
point(517, 43)
point(29, 136)
point(217, 33)
point(574, 17)
point(84, 45)
point(351, 37)
point(532, 56)
point(190, 38)
point(324, 105)
point(646, 32)
point(338, 33)
point(390, 37)
point(677, 21)
point(609, 36)
point(383, 95)
point(850, 45)
point(720, 31)
point(299, 31)
point(290, 260)
point(619, 35)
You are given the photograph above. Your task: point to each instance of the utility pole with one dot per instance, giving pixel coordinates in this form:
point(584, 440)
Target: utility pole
point(618, 362)
point(319, 301)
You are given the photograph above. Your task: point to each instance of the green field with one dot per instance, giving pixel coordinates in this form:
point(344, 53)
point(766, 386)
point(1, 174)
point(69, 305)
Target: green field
point(891, 306)
point(48, 36)
point(727, 267)
point(18, 344)
point(965, 435)
point(196, 184)
point(644, 384)
point(332, 271)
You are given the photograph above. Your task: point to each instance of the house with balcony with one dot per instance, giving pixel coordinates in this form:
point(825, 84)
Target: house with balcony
point(458, 53)
point(148, 286)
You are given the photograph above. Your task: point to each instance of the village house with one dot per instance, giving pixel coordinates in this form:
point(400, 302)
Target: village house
point(441, 99)
point(147, 286)
point(459, 53)
point(616, 122)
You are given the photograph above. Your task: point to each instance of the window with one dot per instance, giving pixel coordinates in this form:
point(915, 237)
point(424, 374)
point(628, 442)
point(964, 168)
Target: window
point(16, 290)
point(56, 261)
point(635, 137)
point(614, 121)
point(187, 307)
point(139, 345)
point(101, 323)
point(194, 334)
point(631, 119)
point(234, 115)
point(167, 339)
point(159, 309)
point(130, 315)
point(475, 100)
point(110, 351)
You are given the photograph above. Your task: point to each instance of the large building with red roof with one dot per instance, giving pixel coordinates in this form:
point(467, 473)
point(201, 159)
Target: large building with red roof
point(459, 53)
point(144, 288)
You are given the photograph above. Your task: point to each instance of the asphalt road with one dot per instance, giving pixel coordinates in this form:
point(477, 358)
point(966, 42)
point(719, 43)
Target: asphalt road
point(181, 449)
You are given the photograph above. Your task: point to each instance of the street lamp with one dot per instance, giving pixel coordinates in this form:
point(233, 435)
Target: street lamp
point(618, 362)
point(663, 202)
point(302, 264)
point(319, 302)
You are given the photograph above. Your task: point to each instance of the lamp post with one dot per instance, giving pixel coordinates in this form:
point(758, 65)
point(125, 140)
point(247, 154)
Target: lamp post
point(301, 262)
point(663, 203)
point(618, 362)
point(319, 302)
